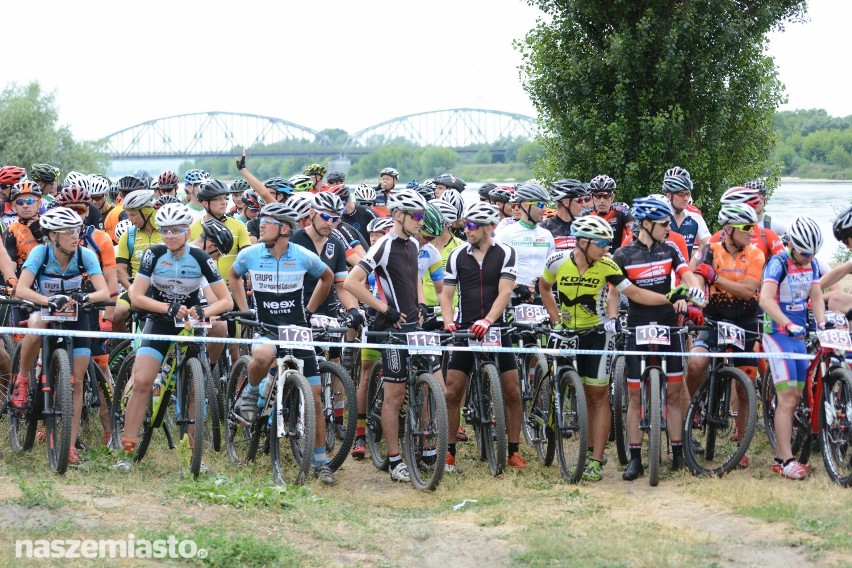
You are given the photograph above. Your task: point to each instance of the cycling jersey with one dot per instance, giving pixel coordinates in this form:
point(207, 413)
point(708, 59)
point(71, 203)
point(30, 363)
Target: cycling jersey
point(350, 237)
point(198, 212)
point(650, 268)
point(113, 216)
point(794, 288)
point(532, 246)
point(581, 296)
point(749, 263)
point(51, 279)
point(693, 229)
point(241, 241)
point(177, 279)
point(253, 228)
point(142, 240)
point(98, 241)
point(278, 284)
point(428, 286)
point(429, 262)
point(561, 231)
point(394, 260)
point(766, 241)
point(8, 216)
point(334, 256)
point(359, 219)
point(478, 284)
point(20, 239)
point(769, 222)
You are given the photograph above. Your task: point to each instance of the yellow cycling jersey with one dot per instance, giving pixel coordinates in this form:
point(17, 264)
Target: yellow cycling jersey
point(241, 241)
point(429, 287)
point(141, 242)
point(581, 298)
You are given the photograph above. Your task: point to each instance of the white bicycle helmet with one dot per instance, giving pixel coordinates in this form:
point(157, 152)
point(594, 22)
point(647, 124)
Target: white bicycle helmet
point(328, 201)
point(280, 212)
point(740, 194)
point(842, 226)
point(447, 210)
point(60, 218)
point(365, 195)
point(139, 199)
point(454, 198)
point(76, 178)
point(380, 225)
point(173, 214)
point(98, 185)
point(804, 235)
point(591, 227)
point(121, 227)
point(406, 199)
point(389, 172)
point(301, 203)
point(481, 213)
point(740, 214)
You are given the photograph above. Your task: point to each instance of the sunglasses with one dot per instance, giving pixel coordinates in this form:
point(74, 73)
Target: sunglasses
point(603, 196)
point(173, 231)
point(254, 210)
point(418, 216)
point(745, 228)
point(71, 231)
point(27, 201)
point(539, 204)
point(584, 199)
point(427, 238)
point(804, 254)
point(330, 218)
point(98, 197)
point(79, 208)
point(471, 226)
point(602, 244)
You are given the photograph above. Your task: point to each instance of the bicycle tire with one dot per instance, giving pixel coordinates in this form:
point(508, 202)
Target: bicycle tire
point(240, 443)
point(10, 348)
point(619, 411)
point(571, 433)
point(712, 427)
point(91, 431)
point(373, 432)
point(350, 359)
point(533, 367)
point(542, 418)
point(834, 426)
point(153, 421)
point(490, 429)
point(23, 424)
point(653, 405)
point(223, 371)
point(768, 403)
point(346, 399)
point(300, 427)
point(195, 386)
point(426, 427)
point(212, 416)
point(118, 354)
point(59, 420)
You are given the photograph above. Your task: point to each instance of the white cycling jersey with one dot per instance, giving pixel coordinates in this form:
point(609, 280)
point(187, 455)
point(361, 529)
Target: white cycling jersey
point(532, 246)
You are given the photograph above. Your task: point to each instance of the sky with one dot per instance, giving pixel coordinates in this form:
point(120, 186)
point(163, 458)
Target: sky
point(328, 63)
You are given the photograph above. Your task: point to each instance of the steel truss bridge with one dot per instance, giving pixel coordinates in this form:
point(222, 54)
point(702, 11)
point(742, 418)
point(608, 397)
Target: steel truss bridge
point(221, 134)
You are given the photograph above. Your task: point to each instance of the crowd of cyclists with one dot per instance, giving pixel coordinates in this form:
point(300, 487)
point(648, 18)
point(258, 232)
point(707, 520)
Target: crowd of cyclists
point(387, 257)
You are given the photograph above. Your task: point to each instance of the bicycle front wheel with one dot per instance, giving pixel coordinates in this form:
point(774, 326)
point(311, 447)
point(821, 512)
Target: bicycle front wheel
point(619, 410)
point(23, 424)
point(711, 426)
point(490, 424)
point(653, 406)
point(212, 416)
point(300, 427)
point(195, 387)
point(241, 438)
point(571, 427)
point(835, 429)
point(534, 367)
point(374, 434)
point(340, 412)
point(426, 428)
point(58, 420)
point(541, 419)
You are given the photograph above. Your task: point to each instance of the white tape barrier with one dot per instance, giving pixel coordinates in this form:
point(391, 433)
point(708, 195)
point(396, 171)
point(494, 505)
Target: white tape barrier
point(396, 346)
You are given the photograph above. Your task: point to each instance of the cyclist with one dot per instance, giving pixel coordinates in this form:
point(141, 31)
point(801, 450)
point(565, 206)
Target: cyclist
point(394, 259)
point(571, 197)
point(387, 181)
point(355, 215)
point(648, 261)
point(9, 176)
point(23, 234)
point(618, 215)
point(213, 196)
point(677, 187)
point(92, 215)
point(98, 190)
point(237, 209)
point(840, 302)
point(501, 196)
point(316, 172)
point(47, 177)
point(365, 196)
point(125, 186)
point(448, 181)
point(790, 279)
point(446, 242)
point(139, 206)
point(191, 182)
point(766, 240)
point(733, 268)
point(167, 184)
point(253, 204)
point(56, 274)
point(532, 243)
point(765, 221)
point(156, 291)
point(483, 271)
point(580, 277)
point(277, 269)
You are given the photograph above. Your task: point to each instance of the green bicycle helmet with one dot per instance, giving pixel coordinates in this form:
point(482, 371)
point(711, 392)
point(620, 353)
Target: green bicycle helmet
point(433, 223)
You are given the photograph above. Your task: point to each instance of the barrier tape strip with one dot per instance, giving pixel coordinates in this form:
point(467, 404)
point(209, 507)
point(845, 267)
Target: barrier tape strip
point(396, 346)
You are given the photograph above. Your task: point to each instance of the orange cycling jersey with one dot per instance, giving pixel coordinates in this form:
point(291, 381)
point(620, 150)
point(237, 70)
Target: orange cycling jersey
point(111, 220)
point(767, 241)
point(739, 267)
point(100, 243)
point(20, 241)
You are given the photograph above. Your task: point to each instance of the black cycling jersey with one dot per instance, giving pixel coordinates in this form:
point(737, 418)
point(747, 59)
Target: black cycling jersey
point(253, 228)
point(333, 254)
point(359, 219)
point(561, 231)
point(478, 286)
point(350, 237)
point(395, 262)
point(651, 268)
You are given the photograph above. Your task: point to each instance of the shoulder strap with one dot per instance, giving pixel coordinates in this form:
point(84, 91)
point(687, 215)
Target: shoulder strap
point(131, 243)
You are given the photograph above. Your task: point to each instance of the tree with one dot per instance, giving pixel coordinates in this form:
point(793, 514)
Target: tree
point(632, 88)
point(29, 134)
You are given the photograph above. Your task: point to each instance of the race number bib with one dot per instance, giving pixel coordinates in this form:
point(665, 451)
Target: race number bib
point(730, 334)
point(653, 335)
point(423, 343)
point(295, 334)
point(323, 322)
point(835, 339)
point(190, 323)
point(68, 313)
point(493, 338)
point(530, 313)
point(839, 320)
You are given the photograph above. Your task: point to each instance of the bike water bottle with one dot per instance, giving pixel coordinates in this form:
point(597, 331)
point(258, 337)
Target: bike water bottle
point(265, 387)
point(160, 383)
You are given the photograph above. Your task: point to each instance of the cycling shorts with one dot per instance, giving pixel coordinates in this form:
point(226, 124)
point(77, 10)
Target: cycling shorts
point(786, 373)
point(463, 360)
point(310, 369)
point(594, 370)
point(674, 363)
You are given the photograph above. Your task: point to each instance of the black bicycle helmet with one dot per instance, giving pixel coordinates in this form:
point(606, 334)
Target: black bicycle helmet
point(568, 189)
point(484, 190)
point(211, 189)
point(127, 184)
point(240, 186)
point(217, 233)
point(450, 181)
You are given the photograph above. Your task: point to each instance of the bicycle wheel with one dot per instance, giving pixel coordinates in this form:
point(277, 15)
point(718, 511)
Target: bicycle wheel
point(58, 421)
point(571, 428)
point(490, 427)
point(835, 430)
point(194, 387)
point(802, 436)
point(711, 426)
point(23, 424)
point(532, 367)
point(212, 416)
point(541, 419)
point(375, 437)
point(426, 428)
point(340, 412)
point(5, 380)
point(350, 359)
point(653, 406)
point(241, 438)
point(299, 426)
point(619, 410)
point(118, 354)
point(91, 432)
point(768, 403)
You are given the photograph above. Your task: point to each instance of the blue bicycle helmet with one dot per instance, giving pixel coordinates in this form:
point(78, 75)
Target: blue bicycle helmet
point(652, 209)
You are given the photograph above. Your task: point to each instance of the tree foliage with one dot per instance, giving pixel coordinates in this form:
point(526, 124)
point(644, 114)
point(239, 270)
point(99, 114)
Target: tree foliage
point(632, 88)
point(813, 144)
point(29, 134)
